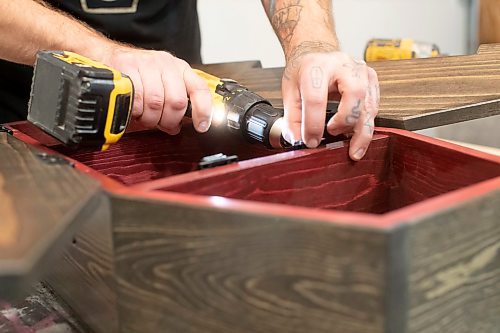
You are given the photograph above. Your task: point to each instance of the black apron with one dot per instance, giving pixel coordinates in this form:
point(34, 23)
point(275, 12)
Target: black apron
point(170, 25)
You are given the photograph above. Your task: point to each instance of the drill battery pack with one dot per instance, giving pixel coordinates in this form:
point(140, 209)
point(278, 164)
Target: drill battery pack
point(79, 101)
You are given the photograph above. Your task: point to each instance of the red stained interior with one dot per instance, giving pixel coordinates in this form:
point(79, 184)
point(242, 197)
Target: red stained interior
point(396, 171)
point(147, 155)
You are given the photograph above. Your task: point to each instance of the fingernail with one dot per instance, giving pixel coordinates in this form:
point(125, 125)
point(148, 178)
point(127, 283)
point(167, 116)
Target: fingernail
point(203, 126)
point(288, 136)
point(359, 154)
point(312, 143)
point(335, 132)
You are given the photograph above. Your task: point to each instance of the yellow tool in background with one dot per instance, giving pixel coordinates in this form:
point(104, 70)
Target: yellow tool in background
point(395, 49)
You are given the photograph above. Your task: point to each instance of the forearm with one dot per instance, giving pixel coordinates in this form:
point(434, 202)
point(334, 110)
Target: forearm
point(27, 26)
point(302, 24)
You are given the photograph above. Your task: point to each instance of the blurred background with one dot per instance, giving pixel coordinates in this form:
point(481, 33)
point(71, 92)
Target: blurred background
point(451, 24)
point(236, 30)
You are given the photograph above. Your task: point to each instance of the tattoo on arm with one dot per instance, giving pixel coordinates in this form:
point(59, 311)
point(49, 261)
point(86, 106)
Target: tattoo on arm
point(285, 20)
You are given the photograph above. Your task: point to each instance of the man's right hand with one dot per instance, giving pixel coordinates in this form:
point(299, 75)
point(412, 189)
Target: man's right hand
point(162, 82)
point(162, 85)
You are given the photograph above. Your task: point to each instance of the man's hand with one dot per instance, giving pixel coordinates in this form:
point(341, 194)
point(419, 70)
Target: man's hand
point(162, 82)
point(162, 85)
point(317, 71)
point(315, 74)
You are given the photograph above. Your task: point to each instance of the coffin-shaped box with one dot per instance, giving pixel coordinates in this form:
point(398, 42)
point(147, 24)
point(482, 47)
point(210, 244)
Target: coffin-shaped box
point(405, 240)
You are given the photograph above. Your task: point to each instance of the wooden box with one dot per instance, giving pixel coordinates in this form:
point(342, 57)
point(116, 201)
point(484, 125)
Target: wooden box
point(406, 240)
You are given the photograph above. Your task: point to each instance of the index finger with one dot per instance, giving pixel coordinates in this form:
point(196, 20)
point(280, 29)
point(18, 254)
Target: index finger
point(201, 100)
point(314, 95)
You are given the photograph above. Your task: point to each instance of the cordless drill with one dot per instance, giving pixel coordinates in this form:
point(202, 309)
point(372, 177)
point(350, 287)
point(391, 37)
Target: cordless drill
point(82, 102)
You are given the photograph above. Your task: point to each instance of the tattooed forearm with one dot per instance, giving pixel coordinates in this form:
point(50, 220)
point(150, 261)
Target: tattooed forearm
point(285, 19)
point(295, 21)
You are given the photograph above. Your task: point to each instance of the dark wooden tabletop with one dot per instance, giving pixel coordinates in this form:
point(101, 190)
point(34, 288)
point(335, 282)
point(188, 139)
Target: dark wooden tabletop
point(415, 94)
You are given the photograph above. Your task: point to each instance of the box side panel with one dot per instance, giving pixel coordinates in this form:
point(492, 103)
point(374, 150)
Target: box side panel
point(397, 281)
point(195, 269)
point(40, 197)
point(422, 170)
point(84, 276)
point(454, 269)
point(311, 180)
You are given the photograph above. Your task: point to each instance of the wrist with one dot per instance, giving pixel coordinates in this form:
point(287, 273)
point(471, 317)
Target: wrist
point(302, 47)
point(100, 50)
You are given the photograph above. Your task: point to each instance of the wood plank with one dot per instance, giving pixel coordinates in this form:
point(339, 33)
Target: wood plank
point(221, 269)
point(419, 93)
point(143, 156)
point(454, 269)
point(396, 172)
point(311, 181)
point(489, 21)
point(489, 48)
point(226, 70)
point(199, 269)
point(85, 276)
point(39, 202)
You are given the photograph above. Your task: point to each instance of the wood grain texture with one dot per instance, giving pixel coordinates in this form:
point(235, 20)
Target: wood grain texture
point(489, 21)
point(39, 202)
point(418, 93)
point(182, 266)
point(193, 269)
point(309, 181)
point(148, 155)
point(397, 171)
point(227, 70)
point(454, 269)
point(84, 276)
point(420, 171)
point(489, 48)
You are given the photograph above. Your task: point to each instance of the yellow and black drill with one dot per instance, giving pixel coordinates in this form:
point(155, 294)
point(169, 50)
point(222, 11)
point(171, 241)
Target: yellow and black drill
point(82, 102)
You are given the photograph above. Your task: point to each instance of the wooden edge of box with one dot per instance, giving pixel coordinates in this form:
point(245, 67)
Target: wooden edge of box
point(41, 195)
point(85, 274)
point(397, 298)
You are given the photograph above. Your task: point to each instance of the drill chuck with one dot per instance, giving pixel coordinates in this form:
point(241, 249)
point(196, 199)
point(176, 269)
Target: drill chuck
point(251, 114)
